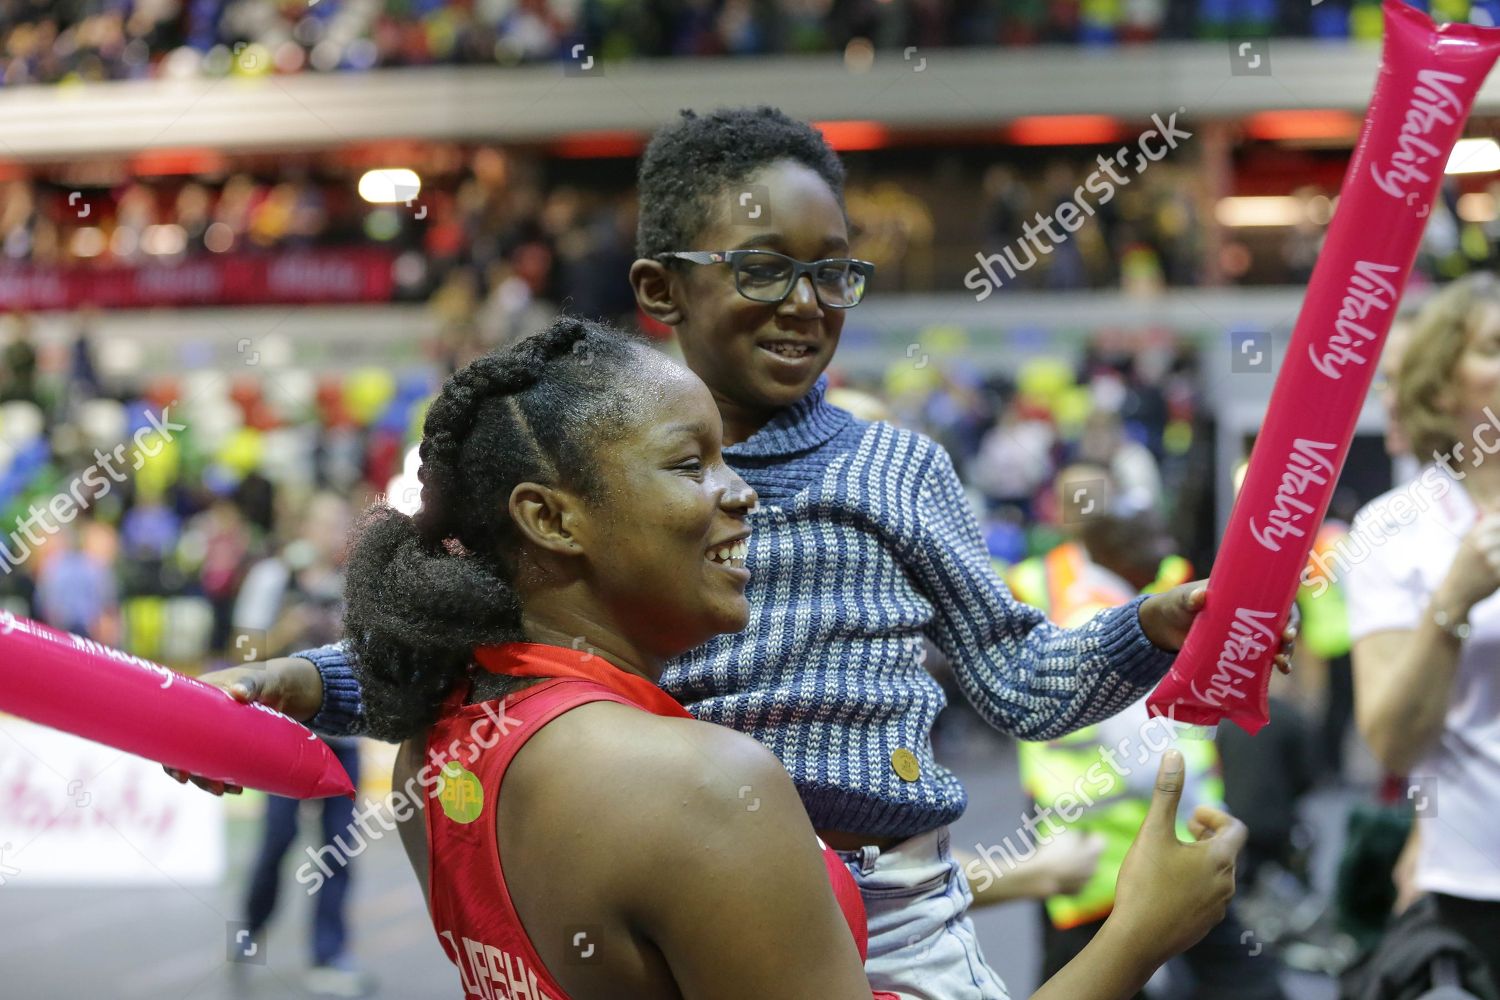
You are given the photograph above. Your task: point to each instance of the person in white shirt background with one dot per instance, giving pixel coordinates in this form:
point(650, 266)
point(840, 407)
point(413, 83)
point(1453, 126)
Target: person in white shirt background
point(1404, 465)
point(1423, 571)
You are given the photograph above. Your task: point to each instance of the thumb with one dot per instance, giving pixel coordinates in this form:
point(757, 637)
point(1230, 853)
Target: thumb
point(246, 689)
point(1162, 816)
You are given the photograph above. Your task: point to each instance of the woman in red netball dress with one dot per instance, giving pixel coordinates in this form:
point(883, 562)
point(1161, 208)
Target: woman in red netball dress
point(481, 929)
point(586, 838)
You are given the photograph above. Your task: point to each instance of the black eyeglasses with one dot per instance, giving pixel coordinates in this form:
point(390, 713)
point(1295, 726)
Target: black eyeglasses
point(769, 277)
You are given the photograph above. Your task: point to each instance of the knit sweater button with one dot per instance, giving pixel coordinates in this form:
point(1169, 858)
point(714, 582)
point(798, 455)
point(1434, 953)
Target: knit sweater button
point(905, 764)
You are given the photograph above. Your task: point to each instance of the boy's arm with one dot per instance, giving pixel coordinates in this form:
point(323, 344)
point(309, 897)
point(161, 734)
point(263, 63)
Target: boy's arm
point(1025, 675)
point(339, 698)
point(316, 687)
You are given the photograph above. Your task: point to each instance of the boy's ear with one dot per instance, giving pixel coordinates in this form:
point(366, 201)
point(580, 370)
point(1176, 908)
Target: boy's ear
point(545, 517)
point(652, 282)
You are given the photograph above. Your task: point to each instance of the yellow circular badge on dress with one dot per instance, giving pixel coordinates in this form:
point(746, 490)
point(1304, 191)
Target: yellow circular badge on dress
point(905, 763)
point(462, 796)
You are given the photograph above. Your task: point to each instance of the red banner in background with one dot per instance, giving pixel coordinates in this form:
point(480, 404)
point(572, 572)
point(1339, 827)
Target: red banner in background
point(301, 277)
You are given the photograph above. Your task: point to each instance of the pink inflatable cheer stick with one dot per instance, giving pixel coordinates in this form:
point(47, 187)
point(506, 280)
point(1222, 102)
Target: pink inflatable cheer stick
point(1428, 79)
point(90, 690)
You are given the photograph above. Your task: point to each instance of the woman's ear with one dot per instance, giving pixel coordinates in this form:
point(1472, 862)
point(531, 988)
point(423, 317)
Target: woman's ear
point(652, 282)
point(1445, 400)
point(545, 517)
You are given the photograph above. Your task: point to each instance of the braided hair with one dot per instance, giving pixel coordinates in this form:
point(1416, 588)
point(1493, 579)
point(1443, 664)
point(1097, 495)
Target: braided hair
point(423, 591)
point(693, 161)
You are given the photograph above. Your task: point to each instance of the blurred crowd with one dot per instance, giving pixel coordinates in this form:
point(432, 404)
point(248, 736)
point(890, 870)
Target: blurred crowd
point(133, 513)
point(1150, 235)
point(126, 227)
point(494, 231)
point(512, 238)
point(1133, 405)
point(60, 41)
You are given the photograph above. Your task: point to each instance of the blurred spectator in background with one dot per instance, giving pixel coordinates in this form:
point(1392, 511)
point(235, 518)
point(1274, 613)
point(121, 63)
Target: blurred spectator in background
point(76, 590)
point(218, 544)
point(1014, 460)
point(1006, 208)
point(895, 231)
point(287, 602)
point(149, 575)
point(1061, 866)
point(1132, 468)
point(83, 374)
point(1065, 267)
point(1423, 618)
point(18, 362)
point(296, 596)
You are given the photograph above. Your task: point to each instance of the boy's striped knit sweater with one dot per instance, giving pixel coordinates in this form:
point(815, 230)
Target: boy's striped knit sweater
point(863, 544)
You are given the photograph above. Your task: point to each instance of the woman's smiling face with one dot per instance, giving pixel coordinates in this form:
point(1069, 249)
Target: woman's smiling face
point(758, 357)
point(665, 538)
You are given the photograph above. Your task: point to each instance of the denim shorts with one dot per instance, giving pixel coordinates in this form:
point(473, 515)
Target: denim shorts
point(922, 943)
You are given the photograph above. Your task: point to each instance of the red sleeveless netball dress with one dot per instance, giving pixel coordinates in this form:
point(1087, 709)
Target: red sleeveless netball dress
point(472, 910)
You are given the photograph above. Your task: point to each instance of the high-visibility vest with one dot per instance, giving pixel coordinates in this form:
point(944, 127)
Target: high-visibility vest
point(1325, 616)
point(1074, 765)
point(1057, 584)
point(145, 624)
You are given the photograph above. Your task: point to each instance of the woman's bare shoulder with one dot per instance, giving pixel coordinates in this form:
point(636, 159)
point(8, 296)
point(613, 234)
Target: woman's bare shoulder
point(612, 753)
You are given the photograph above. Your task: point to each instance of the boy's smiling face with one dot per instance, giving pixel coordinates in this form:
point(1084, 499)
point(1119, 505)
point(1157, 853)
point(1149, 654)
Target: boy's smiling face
point(755, 357)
